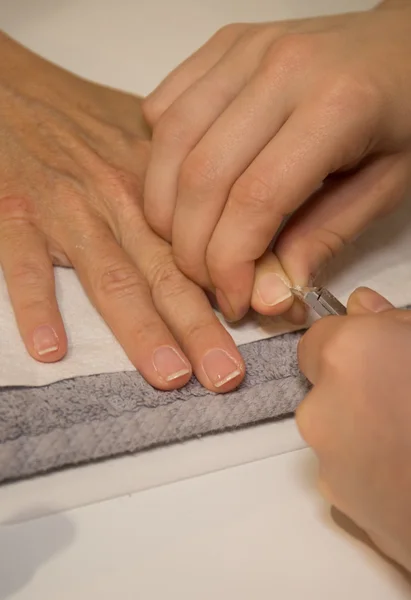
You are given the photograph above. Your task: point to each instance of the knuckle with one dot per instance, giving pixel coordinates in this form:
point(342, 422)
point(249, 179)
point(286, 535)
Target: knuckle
point(172, 128)
point(230, 32)
point(119, 281)
point(347, 92)
point(164, 277)
point(252, 193)
point(14, 209)
point(327, 244)
point(196, 330)
point(198, 173)
point(29, 274)
point(189, 266)
point(291, 51)
point(323, 245)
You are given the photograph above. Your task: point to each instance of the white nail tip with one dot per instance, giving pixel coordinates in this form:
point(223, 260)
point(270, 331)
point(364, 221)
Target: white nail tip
point(177, 375)
point(47, 350)
point(228, 378)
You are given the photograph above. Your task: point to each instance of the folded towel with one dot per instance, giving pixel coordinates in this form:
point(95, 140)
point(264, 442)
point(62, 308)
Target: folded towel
point(88, 418)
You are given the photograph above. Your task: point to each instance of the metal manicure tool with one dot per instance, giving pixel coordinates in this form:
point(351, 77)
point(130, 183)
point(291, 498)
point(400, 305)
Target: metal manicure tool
point(320, 300)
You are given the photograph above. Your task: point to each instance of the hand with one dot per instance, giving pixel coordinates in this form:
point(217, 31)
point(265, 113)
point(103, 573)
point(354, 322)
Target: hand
point(73, 157)
point(357, 418)
point(249, 128)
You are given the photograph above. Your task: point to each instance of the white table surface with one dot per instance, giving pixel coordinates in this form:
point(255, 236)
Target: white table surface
point(258, 531)
point(234, 516)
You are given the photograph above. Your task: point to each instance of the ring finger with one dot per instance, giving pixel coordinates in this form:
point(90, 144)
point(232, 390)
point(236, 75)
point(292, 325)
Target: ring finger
point(122, 296)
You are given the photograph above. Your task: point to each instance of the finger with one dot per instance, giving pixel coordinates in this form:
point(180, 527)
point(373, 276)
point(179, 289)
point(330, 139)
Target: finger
point(186, 310)
point(287, 171)
point(29, 277)
point(312, 345)
point(272, 291)
point(366, 301)
point(190, 71)
point(338, 213)
point(123, 298)
point(188, 119)
point(208, 174)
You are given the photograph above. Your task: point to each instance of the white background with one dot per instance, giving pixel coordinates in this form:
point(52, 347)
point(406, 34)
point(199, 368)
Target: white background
point(234, 516)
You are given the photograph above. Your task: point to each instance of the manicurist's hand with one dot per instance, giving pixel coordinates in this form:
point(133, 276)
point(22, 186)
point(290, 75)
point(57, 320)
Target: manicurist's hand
point(73, 157)
point(249, 128)
point(357, 418)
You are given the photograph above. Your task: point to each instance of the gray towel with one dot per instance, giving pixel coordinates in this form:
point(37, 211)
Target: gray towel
point(89, 418)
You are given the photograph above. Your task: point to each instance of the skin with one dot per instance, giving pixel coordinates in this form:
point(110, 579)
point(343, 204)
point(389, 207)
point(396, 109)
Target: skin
point(310, 118)
point(357, 417)
point(73, 157)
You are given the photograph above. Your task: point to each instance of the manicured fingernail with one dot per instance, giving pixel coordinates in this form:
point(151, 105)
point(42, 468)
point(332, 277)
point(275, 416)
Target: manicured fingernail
point(45, 340)
point(373, 302)
point(272, 290)
point(169, 364)
point(219, 367)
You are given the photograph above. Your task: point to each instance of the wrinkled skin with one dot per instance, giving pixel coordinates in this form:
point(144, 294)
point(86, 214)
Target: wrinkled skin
point(73, 157)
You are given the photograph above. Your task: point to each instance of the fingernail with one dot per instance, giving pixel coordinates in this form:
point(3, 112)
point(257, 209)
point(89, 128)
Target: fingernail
point(219, 367)
point(169, 364)
point(373, 302)
point(45, 340)
point(272, 290)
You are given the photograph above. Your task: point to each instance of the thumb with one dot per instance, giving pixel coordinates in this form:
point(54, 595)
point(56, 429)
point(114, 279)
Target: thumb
point(365, 301)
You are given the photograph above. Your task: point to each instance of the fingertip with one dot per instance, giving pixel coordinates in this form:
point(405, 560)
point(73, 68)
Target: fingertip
point(47, 343)
point(232, 310)
point(365, 301)
point(169, 369)
point(272, 294)
point(232, 279)
point(168, 386)
point(222, 369)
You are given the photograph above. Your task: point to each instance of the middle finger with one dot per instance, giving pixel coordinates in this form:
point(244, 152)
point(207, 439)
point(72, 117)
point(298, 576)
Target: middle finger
point(185, 309)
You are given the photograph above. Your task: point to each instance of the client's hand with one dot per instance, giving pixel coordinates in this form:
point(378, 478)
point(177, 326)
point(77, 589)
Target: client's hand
point(358, 416)
point(73, 157)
